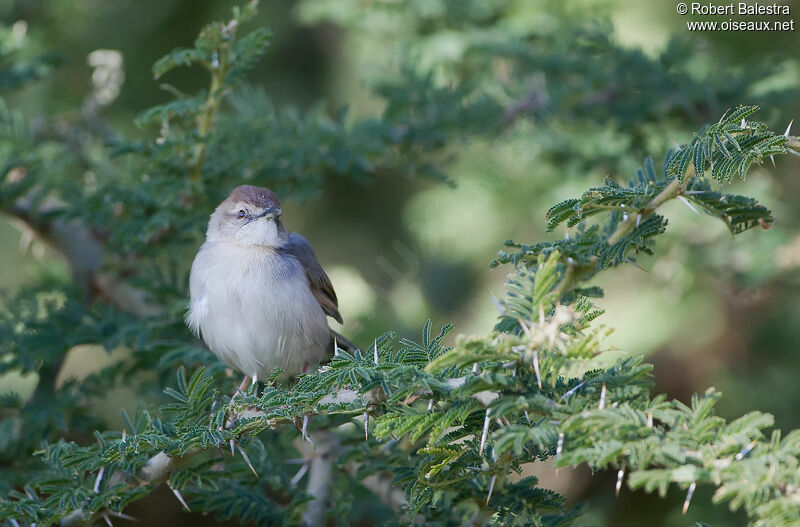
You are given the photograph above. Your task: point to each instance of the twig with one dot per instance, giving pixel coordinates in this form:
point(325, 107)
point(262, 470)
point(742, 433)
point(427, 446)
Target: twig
point(157, 469)
point(320, 477)
point(672, 190)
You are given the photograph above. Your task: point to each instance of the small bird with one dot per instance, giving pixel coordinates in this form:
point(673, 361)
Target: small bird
point(259, 297)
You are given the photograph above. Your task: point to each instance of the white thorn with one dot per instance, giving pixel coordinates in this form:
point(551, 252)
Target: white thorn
point(620, 475)
point(475, 368)
point(485, 430)
point(14, 522)
point(536, 368)
point(122, 516)
point(560, 445)
point(496, 303)
point(300, 473)
point(430, 404)
point(247, 460)
point(688, 204)
point(108, 520)
point(254, 380)
point(636, 265)
point(743, 124)
point(650, 419)
point(689, 494)
point(124, 435)
point(366, 426)
point(375, 348)
point(233, 452)
point(491, 488)
point(163, 133)
point(527, 416)
point(179, 496)
point(638, 219)
point(304, 430)
point(211, 417)
point(772, 158)
point(677, 146)
point(573, 390)
point(788, 128)
point(602, 398)
point(524, 326)
point(97, 480)
point(335, 347)
point(746, 450)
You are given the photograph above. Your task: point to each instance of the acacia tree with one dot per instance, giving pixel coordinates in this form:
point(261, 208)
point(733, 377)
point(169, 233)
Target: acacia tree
point(438, 433)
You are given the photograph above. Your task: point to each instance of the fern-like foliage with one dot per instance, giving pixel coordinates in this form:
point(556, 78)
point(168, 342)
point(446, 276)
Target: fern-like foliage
point(727, 148)
point(450, 426)
point(631, 222)
point(708, 149)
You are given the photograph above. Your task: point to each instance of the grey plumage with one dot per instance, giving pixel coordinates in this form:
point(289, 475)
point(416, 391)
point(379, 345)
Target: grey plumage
point(259, 297)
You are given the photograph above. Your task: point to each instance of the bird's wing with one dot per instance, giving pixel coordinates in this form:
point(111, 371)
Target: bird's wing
point(321, 286)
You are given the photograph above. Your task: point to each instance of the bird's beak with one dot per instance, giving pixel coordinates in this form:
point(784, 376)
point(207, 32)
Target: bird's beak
point(272, 212)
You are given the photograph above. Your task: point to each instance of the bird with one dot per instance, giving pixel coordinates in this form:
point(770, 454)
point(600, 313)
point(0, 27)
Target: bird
point(259, 297)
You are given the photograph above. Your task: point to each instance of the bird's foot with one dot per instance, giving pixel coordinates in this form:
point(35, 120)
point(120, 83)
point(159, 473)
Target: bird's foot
point(242, 387)
point(239, 391)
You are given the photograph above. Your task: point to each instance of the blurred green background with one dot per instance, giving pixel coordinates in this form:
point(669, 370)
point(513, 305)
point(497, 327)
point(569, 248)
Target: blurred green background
point(400, 250)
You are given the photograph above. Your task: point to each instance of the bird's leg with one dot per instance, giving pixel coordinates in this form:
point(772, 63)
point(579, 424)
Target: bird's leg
point(239, 391)
point(242, 386)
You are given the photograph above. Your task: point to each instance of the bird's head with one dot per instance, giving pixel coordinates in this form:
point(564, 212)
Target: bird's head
point(249, 216)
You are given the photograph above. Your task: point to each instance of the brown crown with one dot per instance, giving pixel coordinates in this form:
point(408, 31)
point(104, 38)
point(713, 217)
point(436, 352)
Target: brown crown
point(257, 196)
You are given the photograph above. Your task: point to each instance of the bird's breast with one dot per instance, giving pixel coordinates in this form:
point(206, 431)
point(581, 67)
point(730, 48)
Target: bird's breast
point(255, 310)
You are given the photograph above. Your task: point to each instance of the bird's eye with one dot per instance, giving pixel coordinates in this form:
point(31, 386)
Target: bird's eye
point(241, 214)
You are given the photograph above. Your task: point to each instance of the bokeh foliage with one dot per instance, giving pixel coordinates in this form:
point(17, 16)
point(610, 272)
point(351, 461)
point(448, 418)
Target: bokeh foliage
point(464, 87)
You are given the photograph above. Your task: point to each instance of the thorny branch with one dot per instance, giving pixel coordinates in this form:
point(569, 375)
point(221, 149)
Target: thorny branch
point(157, 469)
point(326, 449)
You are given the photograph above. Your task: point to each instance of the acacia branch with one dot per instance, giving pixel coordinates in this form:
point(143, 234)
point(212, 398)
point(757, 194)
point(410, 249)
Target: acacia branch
point(160, 466)
point(326, 449)
point(157, 469)
point(82, 250)
point(671, 191)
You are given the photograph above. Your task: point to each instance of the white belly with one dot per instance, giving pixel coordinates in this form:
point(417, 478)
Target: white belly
point(255, 311)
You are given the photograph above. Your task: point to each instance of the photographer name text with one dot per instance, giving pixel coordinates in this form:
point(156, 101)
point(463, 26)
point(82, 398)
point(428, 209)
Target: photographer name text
point(741, 8)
